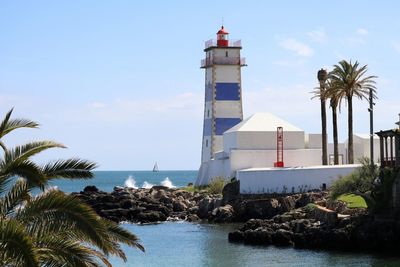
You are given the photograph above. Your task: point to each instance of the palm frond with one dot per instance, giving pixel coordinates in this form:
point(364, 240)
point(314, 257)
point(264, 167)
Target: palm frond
point(7, 125)
point(119, 234)
point(58, 250)
point(16, 246)
point(25, 169)
point(69, 168)
point(14, 197)
point(56, 209)
point(24, 152)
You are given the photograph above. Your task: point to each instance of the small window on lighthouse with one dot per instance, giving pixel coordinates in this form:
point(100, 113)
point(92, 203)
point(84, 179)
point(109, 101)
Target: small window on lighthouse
point(226, 53)
point(206, 142)
point(208, 113)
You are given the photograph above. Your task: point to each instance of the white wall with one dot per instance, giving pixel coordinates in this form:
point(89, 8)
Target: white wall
point(263, 140)
point(228, 109)
point(258, 181)
point(315, 141)
point(227, 73)
point(220, 52)
point(243, 159)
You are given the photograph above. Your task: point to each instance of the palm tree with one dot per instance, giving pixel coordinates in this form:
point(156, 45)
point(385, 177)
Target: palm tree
point(335, 101)
point(320, 93)
point(349, 80)
point(51, 228)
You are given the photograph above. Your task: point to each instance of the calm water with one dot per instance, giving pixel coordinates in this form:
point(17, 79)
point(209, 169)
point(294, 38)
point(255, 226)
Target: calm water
point(188, 244)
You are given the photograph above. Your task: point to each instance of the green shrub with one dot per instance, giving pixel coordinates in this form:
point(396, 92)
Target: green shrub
point(361, 181)
point(216, 185)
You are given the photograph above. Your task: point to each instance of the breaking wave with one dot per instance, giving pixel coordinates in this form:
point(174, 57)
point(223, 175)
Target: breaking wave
point(130, 182)
point(147, 185)
point(167, 182)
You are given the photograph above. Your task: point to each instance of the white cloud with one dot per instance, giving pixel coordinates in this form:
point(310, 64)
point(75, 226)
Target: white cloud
point(396, 46)
point(362, 31)
point(299, 48)
point(97, 105)
point(289, 63)
point(318, 35)
point(183, 105)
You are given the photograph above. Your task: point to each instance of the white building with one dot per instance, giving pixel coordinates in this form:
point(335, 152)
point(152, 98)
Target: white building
point(247, 149)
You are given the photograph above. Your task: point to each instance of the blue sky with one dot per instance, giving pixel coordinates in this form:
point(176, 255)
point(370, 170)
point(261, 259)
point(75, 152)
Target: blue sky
point(119, 82)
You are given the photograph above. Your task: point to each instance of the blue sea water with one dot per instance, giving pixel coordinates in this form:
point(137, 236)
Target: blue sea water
point(193, 244)
point(106, 180)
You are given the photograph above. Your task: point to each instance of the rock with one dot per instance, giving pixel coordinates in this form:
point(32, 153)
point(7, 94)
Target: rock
point(127, 203)
point(205, 205)
point(257, 209)
point(193, 210)
point(90, 189)
point(192, 218)
point(160, 187)
point(179, 206)
point(223, 214)
point(230, 191)
point(287, 203)
point(118, 188)
point(325, 215)
point(236, 236)
point(151, 216)
point(259, 236)
point(300, 225)
point(282, 238)
point(165, 199)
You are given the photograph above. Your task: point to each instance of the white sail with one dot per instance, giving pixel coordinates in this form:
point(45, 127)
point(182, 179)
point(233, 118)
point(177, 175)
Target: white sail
point(155, 168)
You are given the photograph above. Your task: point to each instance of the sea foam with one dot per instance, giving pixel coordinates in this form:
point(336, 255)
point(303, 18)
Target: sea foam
point(130, 182)
point(167, 182)
point(147, 185)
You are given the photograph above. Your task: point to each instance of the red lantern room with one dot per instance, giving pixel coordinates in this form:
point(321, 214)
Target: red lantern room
point(222, 37)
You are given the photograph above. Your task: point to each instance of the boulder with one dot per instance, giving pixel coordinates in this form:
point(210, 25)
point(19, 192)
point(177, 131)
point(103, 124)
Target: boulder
point(127, 203)
point(90, 188)
point(325, 215)
point(236, 236)
point(192, 218)
point(205, 205)
point(179, 205)
point(223, 214)
point(287, 203)
point(282, 238)
point(257, 209)
point(230, 191)
point(151, 216)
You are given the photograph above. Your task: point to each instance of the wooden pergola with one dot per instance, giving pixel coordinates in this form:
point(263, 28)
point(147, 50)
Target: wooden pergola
point(389, 143)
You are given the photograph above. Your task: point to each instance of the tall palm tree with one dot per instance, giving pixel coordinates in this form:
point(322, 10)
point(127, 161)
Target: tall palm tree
point(322, 76)
point(350, 80)
point(335, 101)
point(51, 228)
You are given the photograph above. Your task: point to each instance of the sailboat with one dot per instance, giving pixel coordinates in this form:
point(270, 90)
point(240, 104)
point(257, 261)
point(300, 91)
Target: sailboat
point(155, 168)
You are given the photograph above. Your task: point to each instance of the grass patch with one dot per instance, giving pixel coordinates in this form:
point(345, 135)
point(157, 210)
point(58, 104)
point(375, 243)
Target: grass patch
point(353, 201)
point(214, 187)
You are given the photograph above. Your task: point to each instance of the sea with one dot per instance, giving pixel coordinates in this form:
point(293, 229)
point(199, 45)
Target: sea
point(198, 244)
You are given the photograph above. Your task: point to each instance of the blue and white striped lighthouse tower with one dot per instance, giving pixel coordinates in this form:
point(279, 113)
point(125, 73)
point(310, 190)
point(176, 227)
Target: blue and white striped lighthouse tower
point(223, 91)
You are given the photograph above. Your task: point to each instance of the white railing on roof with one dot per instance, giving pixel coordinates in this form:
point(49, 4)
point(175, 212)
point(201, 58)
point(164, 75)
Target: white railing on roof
point(231, 43)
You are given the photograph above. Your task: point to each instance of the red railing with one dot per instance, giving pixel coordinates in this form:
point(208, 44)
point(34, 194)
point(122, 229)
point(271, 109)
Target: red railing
point(231, 43)
point(223, 61)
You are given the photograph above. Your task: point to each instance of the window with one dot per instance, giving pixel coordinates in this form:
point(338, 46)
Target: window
point(208, 113)
point(206, 142)
point(226, 53)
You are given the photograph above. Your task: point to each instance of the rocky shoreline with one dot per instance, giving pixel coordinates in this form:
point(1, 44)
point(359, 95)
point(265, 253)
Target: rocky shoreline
point(162, 203)
point(305, 220)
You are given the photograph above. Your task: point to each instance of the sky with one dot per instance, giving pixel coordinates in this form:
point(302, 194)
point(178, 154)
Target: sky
point(119, 82)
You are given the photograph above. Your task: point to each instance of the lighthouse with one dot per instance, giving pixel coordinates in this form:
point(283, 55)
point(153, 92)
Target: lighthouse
point(223, 91)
